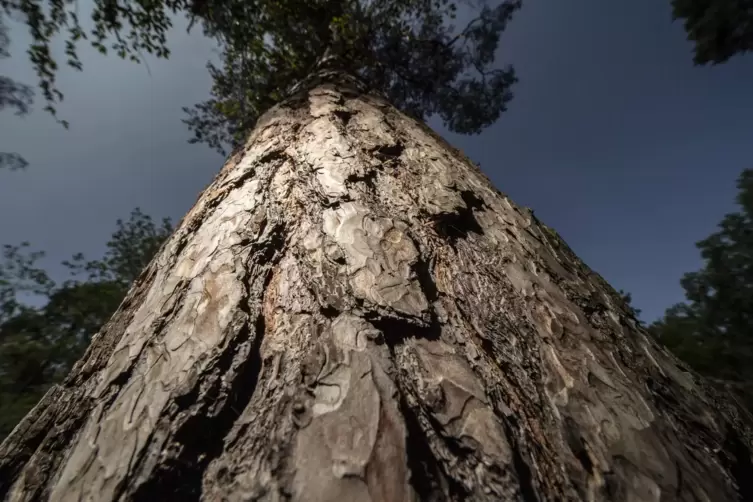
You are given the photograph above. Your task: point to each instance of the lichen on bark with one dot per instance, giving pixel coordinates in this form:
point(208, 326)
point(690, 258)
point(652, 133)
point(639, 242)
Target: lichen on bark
point(352, 312)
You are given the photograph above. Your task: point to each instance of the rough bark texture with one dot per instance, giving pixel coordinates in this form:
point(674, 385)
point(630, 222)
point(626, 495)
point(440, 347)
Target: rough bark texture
point(351, 312)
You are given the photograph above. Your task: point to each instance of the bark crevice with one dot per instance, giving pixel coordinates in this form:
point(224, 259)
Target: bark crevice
point(213, 404)
point(349, 301)
point(740, 466)
point(212, 414)
point(456, 225)
point(396, 329)
point(427, 478)
point(522, 469)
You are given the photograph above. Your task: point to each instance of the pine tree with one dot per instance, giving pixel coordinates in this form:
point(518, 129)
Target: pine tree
point(352, 312)
point(713, 330)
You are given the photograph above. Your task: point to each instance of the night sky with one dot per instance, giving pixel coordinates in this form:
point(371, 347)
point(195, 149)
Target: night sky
point(614, 138)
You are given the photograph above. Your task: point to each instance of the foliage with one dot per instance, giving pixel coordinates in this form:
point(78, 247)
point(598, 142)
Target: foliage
point(719, 29)
point(406, 49)
point(713, 330)
point(134, 26)
point(127, 27)
point(13, 95)
point(39, 344)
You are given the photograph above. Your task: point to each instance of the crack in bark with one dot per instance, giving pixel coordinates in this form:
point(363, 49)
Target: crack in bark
point(385, 153)
point(422, 269)
point(577, 444)
point(426, 474)
point(165, 318)
point(398, 329)
point(344, 115)
point(201, 438)
point(525, 477)
point(367, 178)
point(263, 252)
point(186, 229)
point(460, 453)
point(329, 312)
point(461, 222)
point(741, 467)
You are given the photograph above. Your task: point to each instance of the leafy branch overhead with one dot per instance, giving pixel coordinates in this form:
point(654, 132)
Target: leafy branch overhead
point(13, 95)
point(411, 51)
point(129, 28)
point(719, 29)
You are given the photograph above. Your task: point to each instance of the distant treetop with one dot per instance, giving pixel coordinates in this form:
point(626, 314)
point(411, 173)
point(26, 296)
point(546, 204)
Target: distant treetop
point(719, 29)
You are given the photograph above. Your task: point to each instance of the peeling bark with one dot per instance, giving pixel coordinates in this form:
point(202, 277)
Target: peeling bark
point(352, 312)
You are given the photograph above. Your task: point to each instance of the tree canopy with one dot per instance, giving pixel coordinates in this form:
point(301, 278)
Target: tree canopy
point(719, 29)
point(409, 50)
point(713, 330)
point(39, 344)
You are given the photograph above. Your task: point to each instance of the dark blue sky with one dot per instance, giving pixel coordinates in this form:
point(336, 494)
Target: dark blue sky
point(614, 138)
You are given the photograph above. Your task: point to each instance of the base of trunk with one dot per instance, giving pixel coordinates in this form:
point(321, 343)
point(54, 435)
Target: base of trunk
point(352, 312)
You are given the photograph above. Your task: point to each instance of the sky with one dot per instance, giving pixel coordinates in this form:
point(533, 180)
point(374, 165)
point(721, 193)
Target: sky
point(614, 138)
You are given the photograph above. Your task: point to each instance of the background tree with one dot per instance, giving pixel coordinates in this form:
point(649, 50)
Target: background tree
point(39, 344)
point(713, 330)
point(719, 29)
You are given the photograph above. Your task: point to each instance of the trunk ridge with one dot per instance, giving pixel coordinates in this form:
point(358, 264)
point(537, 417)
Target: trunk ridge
point(352, 312)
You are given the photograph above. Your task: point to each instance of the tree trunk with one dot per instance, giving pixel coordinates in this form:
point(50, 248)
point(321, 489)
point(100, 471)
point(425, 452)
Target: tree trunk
point(351, 312)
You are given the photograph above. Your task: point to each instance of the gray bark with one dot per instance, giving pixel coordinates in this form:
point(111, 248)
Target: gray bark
point(351, 312)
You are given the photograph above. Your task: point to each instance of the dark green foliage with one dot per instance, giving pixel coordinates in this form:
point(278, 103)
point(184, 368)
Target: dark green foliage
point(39, 344)
point(719, 29)
point(129, 250)
point(406, 49)
point(713, 330)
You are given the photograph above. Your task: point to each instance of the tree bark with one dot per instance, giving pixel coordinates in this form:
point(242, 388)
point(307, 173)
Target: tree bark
point(351, 312)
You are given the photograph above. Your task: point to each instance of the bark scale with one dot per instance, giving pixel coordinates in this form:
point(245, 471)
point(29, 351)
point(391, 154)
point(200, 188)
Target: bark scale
point(352, 312)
